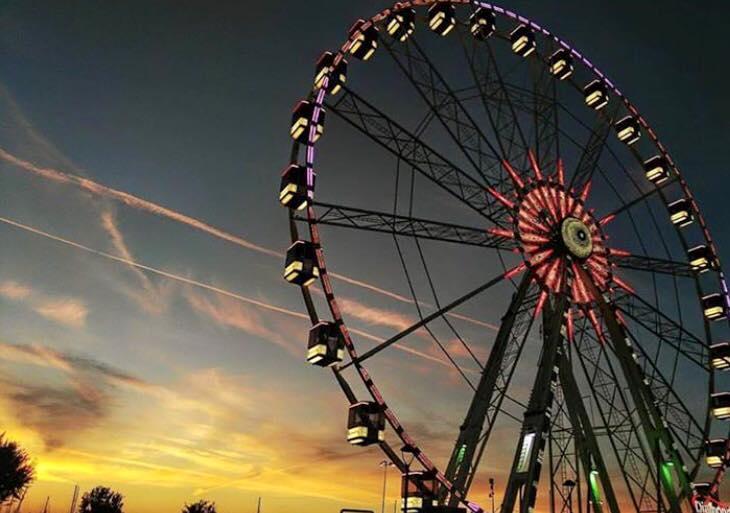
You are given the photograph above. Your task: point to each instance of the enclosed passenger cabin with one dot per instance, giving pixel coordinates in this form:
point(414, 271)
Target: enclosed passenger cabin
point(715, 452)
point(326, 344)
point(720, 356)
point(561, 64)
point(482, 23)
point(365, 424)
point(418, 491)
point(701, 258)
point(656, 169)
point(442, 18)
point(628, 130)
point(294, 190)
point(301, 120)
point(337, 73)
point(714, 307)
point(720, 405)
point(523, 40)
point(401, 24)
point(596, 95)
point(364, 37)
point(301, 267)
point(680, 212)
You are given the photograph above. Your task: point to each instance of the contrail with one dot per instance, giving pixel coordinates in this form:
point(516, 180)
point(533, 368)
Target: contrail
point(206, 286)
point(132, 201)
point(147, 206)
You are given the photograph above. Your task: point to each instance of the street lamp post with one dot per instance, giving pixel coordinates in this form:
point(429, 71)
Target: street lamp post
point(407, 449)
point(385, 464)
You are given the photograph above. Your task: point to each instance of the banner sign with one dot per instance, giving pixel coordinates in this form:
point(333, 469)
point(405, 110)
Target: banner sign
point(704, 504)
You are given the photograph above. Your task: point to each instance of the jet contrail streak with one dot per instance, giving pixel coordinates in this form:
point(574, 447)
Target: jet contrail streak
point(206, 286)
point(132, 201)
point(147, 206)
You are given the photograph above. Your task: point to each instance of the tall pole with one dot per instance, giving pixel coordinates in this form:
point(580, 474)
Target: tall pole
point(491, 491)
point(74, 499)
point(258, 507)
point(385, 464)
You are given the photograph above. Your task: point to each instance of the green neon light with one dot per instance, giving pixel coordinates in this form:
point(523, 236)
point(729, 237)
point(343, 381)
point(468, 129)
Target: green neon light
point(460, 455)
point(667, 468)
point(595, 488)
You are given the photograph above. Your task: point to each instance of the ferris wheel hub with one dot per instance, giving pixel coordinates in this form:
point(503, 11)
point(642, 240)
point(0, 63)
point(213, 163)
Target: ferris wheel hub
point(576, 237)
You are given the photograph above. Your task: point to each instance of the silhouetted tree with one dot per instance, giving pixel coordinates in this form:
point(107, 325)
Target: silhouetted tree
point(101, 500)
point(200, 507)
point(16, 470)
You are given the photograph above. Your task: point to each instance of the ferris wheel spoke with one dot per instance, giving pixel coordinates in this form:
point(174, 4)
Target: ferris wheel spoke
point(493, 387)
point(425, 320)
point(413, 152)
point(665, 329)
point(433, 87)
point(652, 420)
point(593, 148)
point(618, 423)
point(545, 112)
point(384, 222)
point(627, 205)
point(495, 98)
point(652, 264)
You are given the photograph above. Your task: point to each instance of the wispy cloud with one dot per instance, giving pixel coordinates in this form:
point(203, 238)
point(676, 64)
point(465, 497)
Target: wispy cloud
point(230, 313)
point(68, 311)
point(14, 290)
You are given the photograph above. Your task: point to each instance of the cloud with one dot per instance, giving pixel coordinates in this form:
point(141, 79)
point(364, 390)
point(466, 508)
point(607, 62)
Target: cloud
point(70, 312)
point(64, 310)
point(153, 299)
point(230, 313)
point(62, 410)
point(15, 291)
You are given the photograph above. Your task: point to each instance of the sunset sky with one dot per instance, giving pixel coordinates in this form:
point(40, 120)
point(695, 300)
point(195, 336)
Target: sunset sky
point(183, 377)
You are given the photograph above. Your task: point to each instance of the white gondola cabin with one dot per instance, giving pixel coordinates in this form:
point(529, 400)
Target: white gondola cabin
point(714, 307)
point(365, 424)
point(715, 452)
point(364, 37)
point(337, 73)
point(482, 23)
point(326, 345)
point(720, 356)
point(701, 258)
point(596, 95)
point(401, 24)
point(442, 18)
point(418, 491)
point(523, 40)
point(628, 130)
point(720, 405)
point(656, 169)
point(301, 120)
point(301, 267)
point(561, 64)
point(294, 190)
point(680, 213)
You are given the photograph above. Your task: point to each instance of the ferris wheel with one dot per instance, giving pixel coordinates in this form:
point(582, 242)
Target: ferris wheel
point(500, 175)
